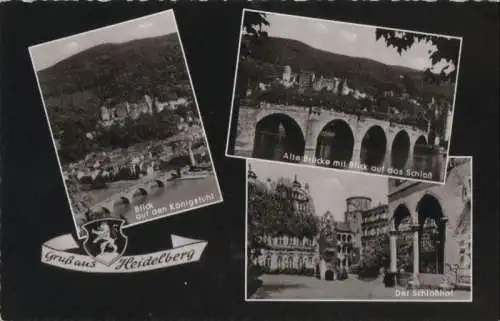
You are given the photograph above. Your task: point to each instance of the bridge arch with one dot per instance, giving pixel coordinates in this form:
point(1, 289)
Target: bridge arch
point(278, 134)
point(335, 141)
point(122, 200)
point(400, 149)
point(140, 192)
point(159, 183)
point(373, 146)
point(420, 151)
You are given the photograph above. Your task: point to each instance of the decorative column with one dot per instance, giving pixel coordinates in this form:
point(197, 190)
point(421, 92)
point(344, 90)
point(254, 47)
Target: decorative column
point(392, 241)
point(414, 282)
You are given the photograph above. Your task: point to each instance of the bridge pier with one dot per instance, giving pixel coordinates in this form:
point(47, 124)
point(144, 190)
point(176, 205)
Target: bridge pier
point(309, 154)
point(356, 152)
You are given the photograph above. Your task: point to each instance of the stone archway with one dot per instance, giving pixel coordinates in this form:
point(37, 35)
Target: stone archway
point(404, 242)
point(420, 153)
point(121, 206)
point(432, 235)
point(277, 134)
point(400, 150)
point(335, 142)
point(373, 146)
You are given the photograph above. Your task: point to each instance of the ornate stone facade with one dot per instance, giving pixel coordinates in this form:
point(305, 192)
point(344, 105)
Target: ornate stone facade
point(336, 246)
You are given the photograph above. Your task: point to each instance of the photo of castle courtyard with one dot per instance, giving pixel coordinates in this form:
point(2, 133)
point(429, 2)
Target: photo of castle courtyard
point(344, 96)
point(318, 235)
point(125, 122)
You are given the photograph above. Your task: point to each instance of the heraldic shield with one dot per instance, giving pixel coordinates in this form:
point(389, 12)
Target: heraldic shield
point(104, 240)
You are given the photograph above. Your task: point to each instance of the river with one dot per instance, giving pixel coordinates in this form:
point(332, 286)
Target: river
point(162, 201)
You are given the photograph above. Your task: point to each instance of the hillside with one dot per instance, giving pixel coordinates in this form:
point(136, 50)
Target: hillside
point(74, 89)
point(111, 70)
point(361, 73)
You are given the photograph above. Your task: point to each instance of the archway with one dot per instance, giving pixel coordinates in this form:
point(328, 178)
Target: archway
point(404, 244)
point(329, 275)
point(400, 150)
point(122, 200)
point(158, 183)
point(121, 206)
point(373, 147)
point(140, 192)
point(105, 211)
point(432, 235)
point(276, 135)
point(420, 152)
point(335, 142)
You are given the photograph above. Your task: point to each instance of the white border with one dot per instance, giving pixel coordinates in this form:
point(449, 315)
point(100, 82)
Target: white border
point(471, 295)
point(445, 164)
point(221, 198)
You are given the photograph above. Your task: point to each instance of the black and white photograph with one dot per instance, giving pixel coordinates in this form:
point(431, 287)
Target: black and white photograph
point(125, 122)
point(353, 97)
point(319, 235)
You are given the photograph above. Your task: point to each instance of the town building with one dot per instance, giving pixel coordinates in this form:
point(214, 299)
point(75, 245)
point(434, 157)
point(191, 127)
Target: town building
point(338, 243)
point(306, 79)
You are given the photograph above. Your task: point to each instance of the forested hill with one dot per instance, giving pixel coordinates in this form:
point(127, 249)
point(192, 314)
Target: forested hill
point(360, 73)
point(120, 71)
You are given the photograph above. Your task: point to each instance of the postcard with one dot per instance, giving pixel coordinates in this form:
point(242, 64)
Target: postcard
point(319, 235)
point(345, 96)
point(125, 122)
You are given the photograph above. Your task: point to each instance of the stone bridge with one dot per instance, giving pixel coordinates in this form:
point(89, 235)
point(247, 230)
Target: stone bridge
point(320, 133)
point(143, 188)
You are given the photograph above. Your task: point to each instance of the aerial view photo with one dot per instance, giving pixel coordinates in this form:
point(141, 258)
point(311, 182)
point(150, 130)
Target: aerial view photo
point(125, 122)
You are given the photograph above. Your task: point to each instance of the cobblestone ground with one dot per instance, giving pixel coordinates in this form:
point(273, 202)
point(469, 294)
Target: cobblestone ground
point(303, 287)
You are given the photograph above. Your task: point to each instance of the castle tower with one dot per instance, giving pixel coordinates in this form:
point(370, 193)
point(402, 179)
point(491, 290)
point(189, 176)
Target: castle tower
point(327, 248)
point(355, 206)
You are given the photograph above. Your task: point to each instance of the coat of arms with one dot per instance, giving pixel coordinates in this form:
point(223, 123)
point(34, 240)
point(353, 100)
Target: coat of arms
point(105, 240)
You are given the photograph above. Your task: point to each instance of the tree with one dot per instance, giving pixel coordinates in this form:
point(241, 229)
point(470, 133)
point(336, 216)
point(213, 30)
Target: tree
point(253, 34)
point(252, 26)
point(374, 256)
point(447, 50)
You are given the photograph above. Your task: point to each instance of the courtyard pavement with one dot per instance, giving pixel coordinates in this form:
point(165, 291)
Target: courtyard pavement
point(297, 287)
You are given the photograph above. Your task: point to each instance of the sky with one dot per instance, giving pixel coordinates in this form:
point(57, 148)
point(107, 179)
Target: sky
point(347, 39)
point(329, 188)
point(49, 53)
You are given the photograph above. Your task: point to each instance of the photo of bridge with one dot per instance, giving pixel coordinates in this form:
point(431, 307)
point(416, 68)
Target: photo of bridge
point(345, 96)
point(126, 126)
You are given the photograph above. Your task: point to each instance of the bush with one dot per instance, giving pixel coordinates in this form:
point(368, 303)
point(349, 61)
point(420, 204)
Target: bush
point(342, 275)
point(375, 255)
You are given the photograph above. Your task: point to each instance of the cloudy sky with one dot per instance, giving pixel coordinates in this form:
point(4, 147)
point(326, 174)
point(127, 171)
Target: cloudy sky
point(47, 54)
point(346, 39)
point(329, 188)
